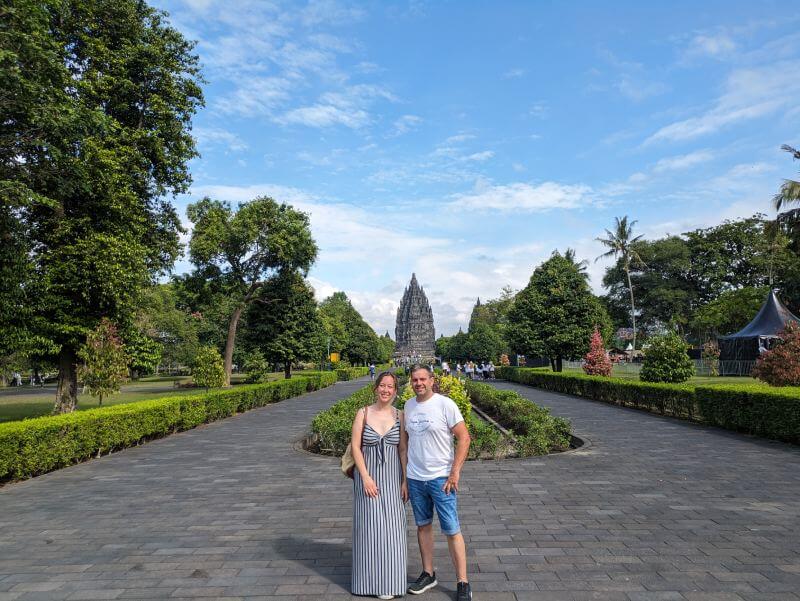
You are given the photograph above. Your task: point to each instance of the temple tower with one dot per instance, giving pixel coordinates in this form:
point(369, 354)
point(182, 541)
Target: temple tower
point(414, 333)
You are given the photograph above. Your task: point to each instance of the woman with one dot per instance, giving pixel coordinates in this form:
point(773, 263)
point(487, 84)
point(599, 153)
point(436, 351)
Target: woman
point(380, 489)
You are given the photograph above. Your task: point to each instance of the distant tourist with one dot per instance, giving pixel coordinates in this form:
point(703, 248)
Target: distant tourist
point(445, 368)
point(434, 471)
point(469, 369)
point(491, 370)
point(459, 369)
point(371, 371)
point(380, 491)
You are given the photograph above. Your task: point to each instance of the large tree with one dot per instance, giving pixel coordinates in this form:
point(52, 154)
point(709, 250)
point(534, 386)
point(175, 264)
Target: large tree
point(620, 244)
point(97, 98)
point(347, 331)
point(283, 322)
point(555, 314)
point(261, 240)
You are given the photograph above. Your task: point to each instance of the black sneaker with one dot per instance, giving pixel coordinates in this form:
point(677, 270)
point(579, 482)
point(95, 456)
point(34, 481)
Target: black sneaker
point(423, 583)
point(464, 592)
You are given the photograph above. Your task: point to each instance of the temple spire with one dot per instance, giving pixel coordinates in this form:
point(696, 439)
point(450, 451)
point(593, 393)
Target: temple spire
point(414, 332)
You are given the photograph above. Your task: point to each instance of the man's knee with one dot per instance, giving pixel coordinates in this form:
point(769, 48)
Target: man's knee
point(425, 528)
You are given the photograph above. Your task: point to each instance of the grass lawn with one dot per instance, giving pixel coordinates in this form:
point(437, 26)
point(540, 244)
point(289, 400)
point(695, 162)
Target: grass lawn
point(25, 402)
point(697, 380)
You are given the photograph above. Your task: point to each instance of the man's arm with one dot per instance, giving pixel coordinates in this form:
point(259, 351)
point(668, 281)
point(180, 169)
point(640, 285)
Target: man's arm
point(461, 433)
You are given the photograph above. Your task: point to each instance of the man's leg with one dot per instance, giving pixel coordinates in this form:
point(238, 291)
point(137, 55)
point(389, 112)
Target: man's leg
point(425, 540)
point(458, 552)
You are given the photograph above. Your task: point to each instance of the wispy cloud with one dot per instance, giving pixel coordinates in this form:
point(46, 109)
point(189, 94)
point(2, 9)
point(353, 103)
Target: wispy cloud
point(538, 110)
point(405, 124)
point(749, 94)
point(683, 161)
point(715, 45)
point(211, 137)
point(479, 156)
point(513, 73)
point(348, 107)
point(527, 197)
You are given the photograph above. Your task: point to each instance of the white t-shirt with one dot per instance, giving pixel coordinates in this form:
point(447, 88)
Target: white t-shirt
point(430, 442)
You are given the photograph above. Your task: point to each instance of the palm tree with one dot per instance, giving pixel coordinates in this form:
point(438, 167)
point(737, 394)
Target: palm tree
point(581, 265)
point(620, 243)
point(790, 190)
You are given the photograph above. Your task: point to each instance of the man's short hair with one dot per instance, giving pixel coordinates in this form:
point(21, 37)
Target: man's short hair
point(419, 366)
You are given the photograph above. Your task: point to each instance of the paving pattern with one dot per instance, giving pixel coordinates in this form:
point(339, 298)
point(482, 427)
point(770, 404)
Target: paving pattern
point(651, 509)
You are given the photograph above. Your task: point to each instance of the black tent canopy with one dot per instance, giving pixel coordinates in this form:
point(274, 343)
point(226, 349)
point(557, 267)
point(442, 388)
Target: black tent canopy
point(756, 337)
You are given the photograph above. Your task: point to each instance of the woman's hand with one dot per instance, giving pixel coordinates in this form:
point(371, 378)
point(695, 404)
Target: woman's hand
point(370, 488)
point(404, 491)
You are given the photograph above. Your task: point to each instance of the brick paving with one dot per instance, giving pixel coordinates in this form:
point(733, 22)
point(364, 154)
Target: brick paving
point(652, 509)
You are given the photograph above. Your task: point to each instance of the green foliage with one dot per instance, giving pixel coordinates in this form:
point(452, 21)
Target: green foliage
point(160, 317)
point(143, 352)
point(208, 370)
point(750, 408)
point(349, 334)
point(666, 360)
point(729, 312)
point(780, 366)
point(91, 142)
point(449, 386)
point(667, 399)
point(105, 362)
point(596, 361)
point(36, 446)
point(256, 367)
point(536, 431)
point(283, 322)
point(556, 313)
point(351, 373)
point(245, 249)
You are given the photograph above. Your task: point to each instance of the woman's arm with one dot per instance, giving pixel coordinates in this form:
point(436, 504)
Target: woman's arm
point(402, 450)
point(370, 488)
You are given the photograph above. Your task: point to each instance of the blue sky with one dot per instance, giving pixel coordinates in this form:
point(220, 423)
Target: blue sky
point(465, 141)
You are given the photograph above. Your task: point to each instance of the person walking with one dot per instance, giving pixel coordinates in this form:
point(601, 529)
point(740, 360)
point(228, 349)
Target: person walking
point(371, 371)
point(379, 493)
point(433, 474)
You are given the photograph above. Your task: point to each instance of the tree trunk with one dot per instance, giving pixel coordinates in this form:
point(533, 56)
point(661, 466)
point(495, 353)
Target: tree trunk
point(559, 363)
point(552, 364)
point(287, 370)
point(67, 391)
point(633, 309)
point(101, 401)
point(230, 341)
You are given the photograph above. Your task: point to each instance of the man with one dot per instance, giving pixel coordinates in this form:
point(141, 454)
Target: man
point(433, 471)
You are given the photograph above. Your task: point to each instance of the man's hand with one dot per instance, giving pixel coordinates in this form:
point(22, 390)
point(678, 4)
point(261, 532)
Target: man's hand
point(404, 491)
point(452, 483)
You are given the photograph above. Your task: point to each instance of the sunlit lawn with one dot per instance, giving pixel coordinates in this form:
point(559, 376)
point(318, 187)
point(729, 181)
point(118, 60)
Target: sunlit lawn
point(26, 402)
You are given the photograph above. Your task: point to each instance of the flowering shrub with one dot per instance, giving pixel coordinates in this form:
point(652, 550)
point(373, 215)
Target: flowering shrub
point(504, 360)
point(711, 355)
point(666, 360)
point(596, 361)
point(781, 365)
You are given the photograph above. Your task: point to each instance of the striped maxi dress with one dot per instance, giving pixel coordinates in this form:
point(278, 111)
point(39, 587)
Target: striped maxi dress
point(379, 524)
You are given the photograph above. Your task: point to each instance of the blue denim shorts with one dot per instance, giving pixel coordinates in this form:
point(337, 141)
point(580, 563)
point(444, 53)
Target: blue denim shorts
point(427, 494)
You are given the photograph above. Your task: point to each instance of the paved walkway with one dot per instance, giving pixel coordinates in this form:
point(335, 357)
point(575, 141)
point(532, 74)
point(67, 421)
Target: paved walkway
point(652, 509)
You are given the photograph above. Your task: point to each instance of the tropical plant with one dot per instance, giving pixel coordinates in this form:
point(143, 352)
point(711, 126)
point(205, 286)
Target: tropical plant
point(781, 365)
point(620, 244)
point(105, 365)
point(208, 370)
point(596, 361)
point(666, 360)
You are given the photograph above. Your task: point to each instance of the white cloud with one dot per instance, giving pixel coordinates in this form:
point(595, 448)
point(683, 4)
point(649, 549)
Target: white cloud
point(405, 124)
point(261, 97)
point(479, 156)
point(538, 110)
point(683, 161)
point(713, 45)
point(749, 94)
point(513, 73)
point(526, 197)
point(638, 90)
point(347, 107)
point(216, 136)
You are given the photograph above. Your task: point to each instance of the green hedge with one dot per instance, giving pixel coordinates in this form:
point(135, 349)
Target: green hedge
point(536, 431)
point(351, 373)
point(750, 408)
point(36, 446)
point(667, 399)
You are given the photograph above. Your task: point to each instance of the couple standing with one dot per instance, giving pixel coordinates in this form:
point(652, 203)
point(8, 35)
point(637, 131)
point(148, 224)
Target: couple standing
point(406, 456)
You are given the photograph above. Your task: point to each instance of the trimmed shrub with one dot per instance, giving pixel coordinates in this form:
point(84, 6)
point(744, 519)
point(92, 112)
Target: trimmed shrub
point(750, 408)
point(596, 361)
point(351, 373)
point(667, 360)
point(781, 365)
point(753, 409)
point(36, 446)
point(668, 399)
point(449, 386)
point(208, 370)
point(536, 431)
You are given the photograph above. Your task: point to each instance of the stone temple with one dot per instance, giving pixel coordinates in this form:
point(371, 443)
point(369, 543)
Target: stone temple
point(414, 333)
